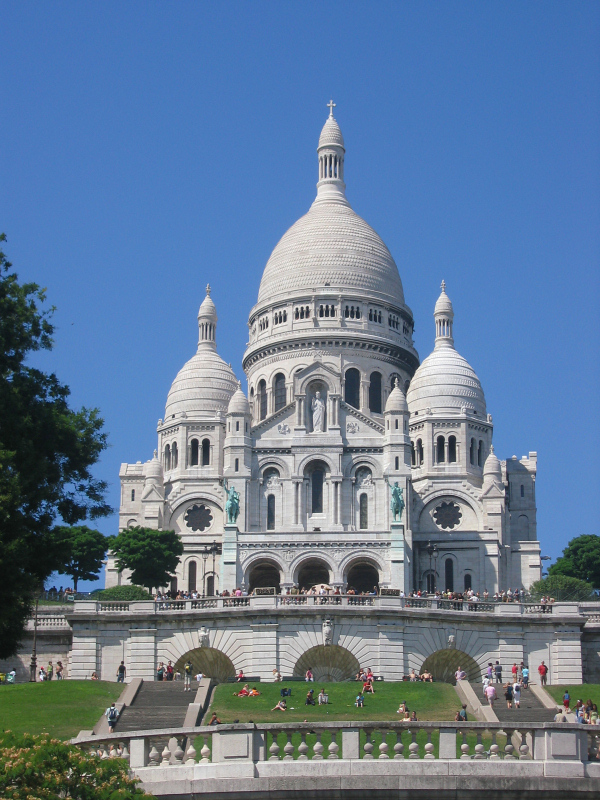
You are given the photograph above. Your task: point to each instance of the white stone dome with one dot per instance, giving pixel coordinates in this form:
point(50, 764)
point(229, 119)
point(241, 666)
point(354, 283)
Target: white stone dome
point(445, 381)
point(239, 403)
point(396, 400)
point(492, 467)
point(331, 135)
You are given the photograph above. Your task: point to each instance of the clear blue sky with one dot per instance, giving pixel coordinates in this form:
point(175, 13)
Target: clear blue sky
point(149, 148)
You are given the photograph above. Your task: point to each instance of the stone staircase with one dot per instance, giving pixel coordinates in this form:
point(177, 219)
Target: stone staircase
point(158, 704)
point(531, 710)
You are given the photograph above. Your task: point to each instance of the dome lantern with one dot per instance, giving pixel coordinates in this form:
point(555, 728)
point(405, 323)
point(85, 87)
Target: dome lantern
point(207, 322)
point(444, 317)
point(331, 156)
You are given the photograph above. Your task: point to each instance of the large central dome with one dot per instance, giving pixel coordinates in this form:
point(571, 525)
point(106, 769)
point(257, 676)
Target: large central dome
point(331, 246)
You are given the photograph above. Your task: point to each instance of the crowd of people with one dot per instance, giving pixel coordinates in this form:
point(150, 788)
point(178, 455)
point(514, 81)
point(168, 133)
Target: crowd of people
point(585, 713)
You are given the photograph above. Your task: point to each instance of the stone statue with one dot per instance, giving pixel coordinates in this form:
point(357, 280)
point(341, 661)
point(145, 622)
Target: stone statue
point(396, 501)
point(318, 409)
point(232, 505)
point(451, 641)
point(203, 637)
point(327, 632)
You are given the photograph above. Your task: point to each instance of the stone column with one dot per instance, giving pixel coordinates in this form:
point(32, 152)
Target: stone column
point(397, 556)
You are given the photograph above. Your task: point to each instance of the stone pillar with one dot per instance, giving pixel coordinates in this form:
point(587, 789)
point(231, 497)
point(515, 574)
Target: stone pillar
point(364, 394)
point(142, 653)
point(397, 557)
point(228, 577)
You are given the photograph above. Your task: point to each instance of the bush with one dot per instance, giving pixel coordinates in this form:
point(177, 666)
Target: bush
point(43, 767)
point(124, 593)
point(562, 588)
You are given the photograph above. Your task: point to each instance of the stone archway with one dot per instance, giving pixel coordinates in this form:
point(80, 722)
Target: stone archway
point(210, 662)
point(311, 572)
point(443, 664)
point(328, 663)
point(263, 574)
point(362, 576)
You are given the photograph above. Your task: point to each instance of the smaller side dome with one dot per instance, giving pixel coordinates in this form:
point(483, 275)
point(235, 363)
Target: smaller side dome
point(492, 468)
point(207, 310)
point(239, 402)
point(331, 135)
point(153, 468)
point(396, 401)
point(443, 304)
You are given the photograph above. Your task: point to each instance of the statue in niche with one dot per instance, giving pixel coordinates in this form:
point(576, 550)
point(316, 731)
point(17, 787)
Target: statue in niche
point(396, 501)
point(327, 632)
point(232, 504)
point(318, 413)
point(203, 637)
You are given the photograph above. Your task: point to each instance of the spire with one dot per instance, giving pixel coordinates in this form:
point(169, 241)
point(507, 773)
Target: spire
point(207, 322)
point(331, 158)
point(443, 315)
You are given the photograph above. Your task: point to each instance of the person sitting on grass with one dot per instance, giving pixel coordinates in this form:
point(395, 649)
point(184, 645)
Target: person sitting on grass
point(308, 676)
point(368, 687)
point(310, 700)
point(370, 676)
point(402, 708)
point(461, 715)
point(406, 717)
point(412, 676)
point(360, 700)
point(323, 698)
point(413, 717)
point(281, 706)
point(427, 677)
point(94, 676)
point(253, 692)
point(361, 675)
point(214, 720)
point(244, 692)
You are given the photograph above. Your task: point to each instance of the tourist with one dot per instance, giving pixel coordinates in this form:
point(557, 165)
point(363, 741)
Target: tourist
point(308, 676)
point(121, 670)
point(516, 690)
point(525, 677)
point(490, 672)
point(42, 674)
point(160, 671)
point(187, 676)
point(361, 674)
point(245, 691)
point(508, 694)
point(323, 698)
point(281, 706)
point(514, 671)
point(490, 694)
point(461, 714)
point(241, 677)
point(498, 672)
point(214, 720)
point(368, 687)
point(112, 715)
point(567, 701)
point(95, 676)
point(360, 700)
point(253, 692)
point(170, 671)
point(413, 717)
point(59, 671)
point(199, 677)
point(310, 700)
point(543, 673)
point(460, 674)
point(485, 683)
point(50, 671)
point(402, 708)
point(285, 692)
point(426, 677)
point(412, 676)
point(276, 676)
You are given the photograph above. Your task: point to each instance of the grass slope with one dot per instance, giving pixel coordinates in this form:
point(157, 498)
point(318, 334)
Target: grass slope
point(431, 701)
point(581, 691)
point(61, 708)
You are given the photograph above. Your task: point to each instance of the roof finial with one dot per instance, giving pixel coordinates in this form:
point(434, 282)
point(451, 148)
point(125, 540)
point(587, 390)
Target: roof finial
point(208, 289)
point(443, 287)
point(395, 383)
point(331, 105)
point(492, 449)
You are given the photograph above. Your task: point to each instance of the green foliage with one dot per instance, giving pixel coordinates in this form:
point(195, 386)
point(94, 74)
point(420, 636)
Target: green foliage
point(34, 767)
point(123, 593)
point(562, 588)
point(151, 555)
point(47, 450)
point(81, 550)
point(580, 559)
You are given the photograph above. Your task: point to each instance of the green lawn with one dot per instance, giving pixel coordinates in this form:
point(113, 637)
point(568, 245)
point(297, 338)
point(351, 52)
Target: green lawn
point(61, 708)
point(431, 701)
point(581, 691)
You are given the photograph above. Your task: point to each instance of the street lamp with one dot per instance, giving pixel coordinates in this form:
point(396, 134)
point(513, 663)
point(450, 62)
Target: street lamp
point(430, 550)
point(33, 663)
point(207, 550)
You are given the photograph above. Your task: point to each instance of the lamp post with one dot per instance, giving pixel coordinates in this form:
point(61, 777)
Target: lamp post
point(207, 550)
point(33, 663)
point(430, 550)
point(204, 553)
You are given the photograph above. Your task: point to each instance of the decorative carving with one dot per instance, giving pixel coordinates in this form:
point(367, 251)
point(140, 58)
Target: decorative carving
point(327, 632)
point(284, 429)
point(396, 501)
point(352, 427)
point(318, 413)
point(447, 515)
point(451, 641)
point(203, 637)
point(198, 518)
point(364, 477)
point(273, 481)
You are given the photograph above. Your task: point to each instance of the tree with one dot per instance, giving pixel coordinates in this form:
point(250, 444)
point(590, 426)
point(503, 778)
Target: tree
point(563, 588)
point(580, 559)
point(81, 550)
point(39, 766)
point(47, 451)
point(151, 555)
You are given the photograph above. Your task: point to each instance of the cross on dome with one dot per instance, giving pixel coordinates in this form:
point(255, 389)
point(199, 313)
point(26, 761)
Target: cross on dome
point(443, 287)
point(208, 289)
point(331, 105)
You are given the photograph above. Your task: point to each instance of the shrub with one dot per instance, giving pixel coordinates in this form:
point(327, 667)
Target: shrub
point(43, 767)
point(563, 588)
point(124, 593)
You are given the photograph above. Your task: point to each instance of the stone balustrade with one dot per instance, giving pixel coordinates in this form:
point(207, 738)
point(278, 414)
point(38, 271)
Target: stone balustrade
point(378, 602)
point(48, 621)
point(168, 760)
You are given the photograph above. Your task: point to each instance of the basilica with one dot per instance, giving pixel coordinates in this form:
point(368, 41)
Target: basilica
point(341, 421)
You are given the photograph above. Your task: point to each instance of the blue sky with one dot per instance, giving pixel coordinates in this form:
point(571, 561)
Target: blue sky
point(149, 148)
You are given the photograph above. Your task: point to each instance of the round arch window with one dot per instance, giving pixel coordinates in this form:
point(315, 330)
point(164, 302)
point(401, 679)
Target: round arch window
point(198, 518)
point(447, 515)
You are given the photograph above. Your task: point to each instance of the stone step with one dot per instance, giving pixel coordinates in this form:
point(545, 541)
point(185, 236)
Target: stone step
point(159, 704)
point(531, 710)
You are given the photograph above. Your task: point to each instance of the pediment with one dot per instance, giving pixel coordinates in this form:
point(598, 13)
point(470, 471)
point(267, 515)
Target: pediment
point(360, 419)
point(280, 424)
point(493, 492)
point(152, 495)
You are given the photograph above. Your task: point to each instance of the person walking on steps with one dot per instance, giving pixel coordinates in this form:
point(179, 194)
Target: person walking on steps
point(187, 676)
point(121, 672)
point(112, 715)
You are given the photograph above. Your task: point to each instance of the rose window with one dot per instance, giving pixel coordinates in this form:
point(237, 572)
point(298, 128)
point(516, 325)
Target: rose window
point(447, 515)
point(198, 518)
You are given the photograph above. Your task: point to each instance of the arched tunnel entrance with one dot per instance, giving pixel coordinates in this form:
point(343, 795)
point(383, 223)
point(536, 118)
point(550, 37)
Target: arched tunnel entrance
point(328, 663)
point(362, 577)
point(210, 662)
point(312, 572)
point(443, 665)
point(263, 575)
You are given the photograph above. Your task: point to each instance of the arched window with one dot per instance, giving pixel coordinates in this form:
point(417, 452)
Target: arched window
point(205, 452)
point(452, 449)
point(364, 512)
point(167, 458)
point(472, 452)
point(262, 399)
point(449, 574)
point(480, 454)
point(419, 453)
point(352, 387)
point(210, 585)
point(237, 465)
point(317, 480)
point(174, 456)
point(192, 576)
point(413, 454)
point(279, 391)
point(375, 393)
point(396, 424)
point(397, 462)
point(194, 453)
point(440, 448)
point(523, 528)
point(522, 491)
point(468, 581)
point(271, 512)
